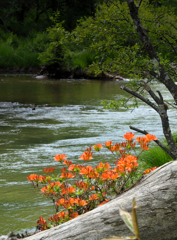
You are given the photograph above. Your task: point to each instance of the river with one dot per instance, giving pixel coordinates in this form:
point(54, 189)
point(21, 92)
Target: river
point(42, 118)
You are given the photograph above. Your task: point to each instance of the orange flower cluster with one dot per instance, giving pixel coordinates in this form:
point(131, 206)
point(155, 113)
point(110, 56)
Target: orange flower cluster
point(67, 203)
point(129, 136)
point(36, 178)
point(42, 224)
point(89, 171)
point(107, 175)
point(80, 188)
point(125, 165)
point(143, 141)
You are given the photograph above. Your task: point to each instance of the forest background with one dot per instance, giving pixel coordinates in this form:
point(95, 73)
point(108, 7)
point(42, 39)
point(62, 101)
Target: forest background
point(91, 36)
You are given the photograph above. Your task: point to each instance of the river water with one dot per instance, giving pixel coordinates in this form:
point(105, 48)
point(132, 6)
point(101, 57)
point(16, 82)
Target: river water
point(42, 118)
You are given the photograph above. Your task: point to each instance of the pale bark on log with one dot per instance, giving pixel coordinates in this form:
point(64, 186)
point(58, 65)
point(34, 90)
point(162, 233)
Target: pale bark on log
point(156, 195)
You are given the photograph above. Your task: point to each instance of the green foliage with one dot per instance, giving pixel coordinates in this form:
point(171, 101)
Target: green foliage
point(54, 53)
point(113, 38)
point(19, 52)
point(80, 59)
point(19, 17)
point(10, 57)
point(155, 157)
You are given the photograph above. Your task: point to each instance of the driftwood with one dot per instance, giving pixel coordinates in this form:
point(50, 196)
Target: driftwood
point(156, 195)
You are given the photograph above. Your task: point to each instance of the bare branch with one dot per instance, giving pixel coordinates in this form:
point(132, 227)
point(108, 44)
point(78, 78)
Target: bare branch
point(161, 98)
point(137, 95)
point(152, 94)
point(157, 141)
point(170, 104)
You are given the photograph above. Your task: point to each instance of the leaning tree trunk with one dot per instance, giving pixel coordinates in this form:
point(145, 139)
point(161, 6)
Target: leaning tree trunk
point(156, 195)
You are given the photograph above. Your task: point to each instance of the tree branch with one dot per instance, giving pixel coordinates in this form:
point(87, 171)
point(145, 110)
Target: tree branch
point(137, 95)
point(161, 74)
point(152, 94)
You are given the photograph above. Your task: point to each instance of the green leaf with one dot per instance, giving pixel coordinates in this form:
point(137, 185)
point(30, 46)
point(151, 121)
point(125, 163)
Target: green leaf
point(127, 218)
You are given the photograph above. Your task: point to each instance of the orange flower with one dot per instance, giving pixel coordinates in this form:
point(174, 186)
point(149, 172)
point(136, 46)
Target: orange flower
point(110, 175)
point(33, 177)
point(67, 175)
point(61, 214)
point(66, 162)
point(98, 147)
point(65, 203)
point(86, 170)
point(74, 167)
point(70, 189)
point(129, 136)
point(86, 156)
point(147, 138)
point(82, 185)
point(49, 170)
point(92, 188)
point(60, 157)
point(93, 197)
point(102, 167)
point(80, 202)
point(60, 201)
point(144, 147)
point(42, 178)
point(151, 137)
point(108, 144)
point(116, 147)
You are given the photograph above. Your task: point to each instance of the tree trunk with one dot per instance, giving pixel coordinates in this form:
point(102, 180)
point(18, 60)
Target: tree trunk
point(156, 196)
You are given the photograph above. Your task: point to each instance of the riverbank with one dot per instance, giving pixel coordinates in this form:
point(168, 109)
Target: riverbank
point(20, 70)
point(43, 72)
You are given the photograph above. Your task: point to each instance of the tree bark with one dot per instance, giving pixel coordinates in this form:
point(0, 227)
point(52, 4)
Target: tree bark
point(156, 196)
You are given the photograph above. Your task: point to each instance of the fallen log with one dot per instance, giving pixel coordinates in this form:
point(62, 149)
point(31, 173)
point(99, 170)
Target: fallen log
point(156, 195)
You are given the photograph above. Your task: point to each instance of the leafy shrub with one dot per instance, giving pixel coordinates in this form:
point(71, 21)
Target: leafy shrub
point(81, 188)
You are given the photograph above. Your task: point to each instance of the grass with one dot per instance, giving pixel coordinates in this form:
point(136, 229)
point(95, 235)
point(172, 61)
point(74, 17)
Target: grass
point(15, 52)
point(81, 59)
point(10, 57)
